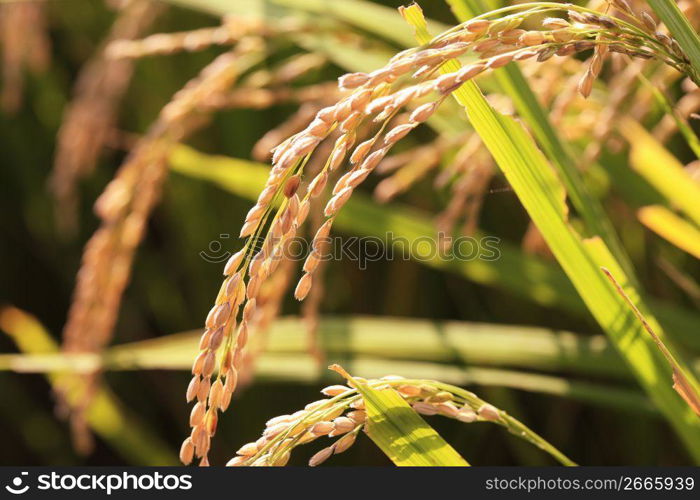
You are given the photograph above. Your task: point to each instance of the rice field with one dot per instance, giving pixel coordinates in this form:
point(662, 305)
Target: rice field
point(469, 223)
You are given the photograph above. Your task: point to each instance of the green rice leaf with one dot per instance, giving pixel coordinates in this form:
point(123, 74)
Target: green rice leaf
point(455, 352)
point(515, 85)
point(683, 127)
point(400, 432)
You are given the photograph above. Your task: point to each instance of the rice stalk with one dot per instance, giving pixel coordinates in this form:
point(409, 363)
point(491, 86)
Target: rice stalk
point(25, 45)
point(269, 304)
point(311, 308)
point(91, 116)
point(231, 31)
point(683, 384)
point(676, 115)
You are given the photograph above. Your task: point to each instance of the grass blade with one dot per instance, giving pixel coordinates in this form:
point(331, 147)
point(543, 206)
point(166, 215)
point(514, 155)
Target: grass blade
point(514, 84)
point(461, 343)
point(665, 103)
point(426, 349)
point(400, 432)
point(300, 367)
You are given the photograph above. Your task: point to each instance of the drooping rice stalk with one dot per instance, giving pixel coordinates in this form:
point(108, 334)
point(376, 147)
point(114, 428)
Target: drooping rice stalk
point(124, 208)
point(24, 44)
point(342, 416)
point(90, 118)
point(228, 33)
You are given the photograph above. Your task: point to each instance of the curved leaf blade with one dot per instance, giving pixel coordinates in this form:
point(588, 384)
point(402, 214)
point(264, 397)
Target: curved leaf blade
point(400, 432)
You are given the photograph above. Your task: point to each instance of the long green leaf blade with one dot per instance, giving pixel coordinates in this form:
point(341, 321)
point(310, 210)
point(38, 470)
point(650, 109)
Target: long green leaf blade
point(372, 344)
point(106, 415)
point(683, 383)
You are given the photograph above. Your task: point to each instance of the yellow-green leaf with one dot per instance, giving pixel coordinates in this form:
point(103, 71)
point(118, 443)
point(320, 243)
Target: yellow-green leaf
point(513, 83)
point(682, 31)
point(400, 432)
point(378, 346)
point(672, 228)
point(662, 170)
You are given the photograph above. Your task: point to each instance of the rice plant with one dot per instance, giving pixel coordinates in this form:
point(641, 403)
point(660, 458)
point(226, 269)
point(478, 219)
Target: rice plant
point(561, 134)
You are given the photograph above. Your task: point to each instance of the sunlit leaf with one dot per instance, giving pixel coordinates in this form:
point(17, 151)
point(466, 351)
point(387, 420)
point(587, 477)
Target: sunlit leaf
point(514, 84)
point(669, 226)
point(662, 170)
point(378, 346)
point(400, 432)
point(681, 29)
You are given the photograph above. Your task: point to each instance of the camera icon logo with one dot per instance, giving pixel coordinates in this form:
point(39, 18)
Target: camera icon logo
point(16, 488)
point(216, 253)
